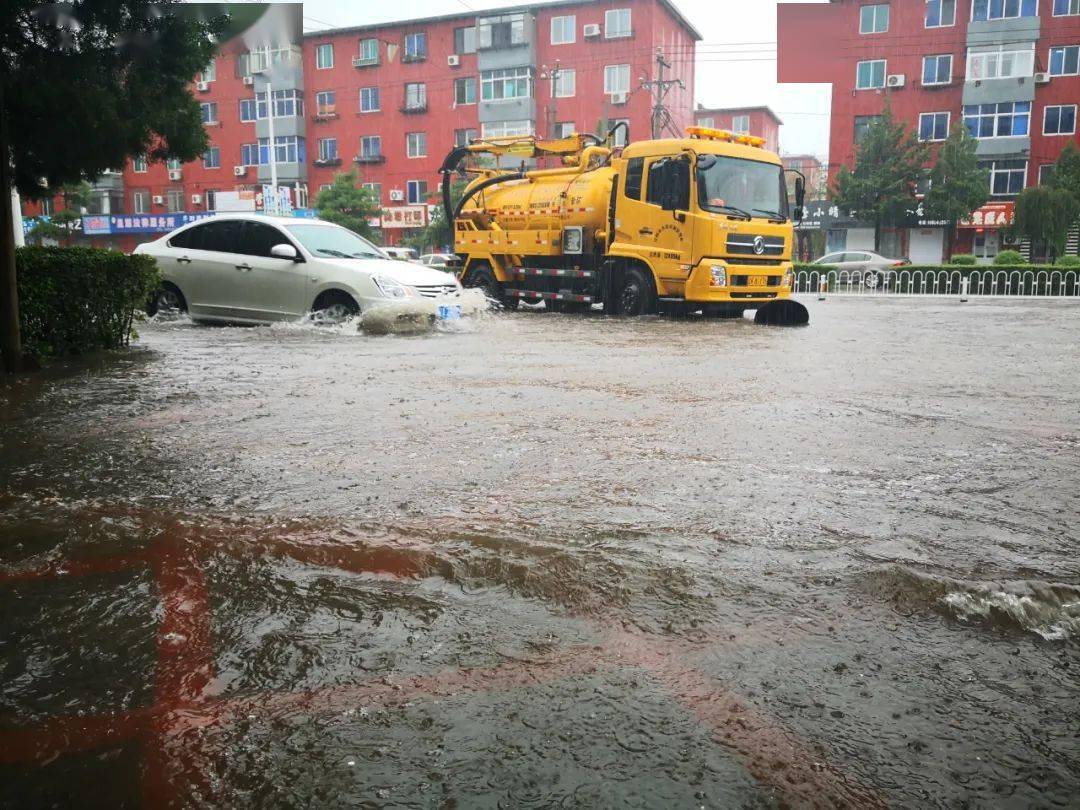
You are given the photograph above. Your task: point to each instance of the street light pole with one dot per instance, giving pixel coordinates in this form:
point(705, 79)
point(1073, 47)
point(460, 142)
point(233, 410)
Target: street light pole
point(270, 124)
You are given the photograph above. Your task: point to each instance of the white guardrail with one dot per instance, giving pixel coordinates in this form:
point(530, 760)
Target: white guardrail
point(1063, 283)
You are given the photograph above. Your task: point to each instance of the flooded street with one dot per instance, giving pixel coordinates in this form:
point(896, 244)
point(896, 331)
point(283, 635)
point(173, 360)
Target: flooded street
point(551, 561)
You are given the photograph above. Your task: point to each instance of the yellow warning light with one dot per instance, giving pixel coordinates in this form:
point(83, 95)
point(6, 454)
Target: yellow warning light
point(724, 135)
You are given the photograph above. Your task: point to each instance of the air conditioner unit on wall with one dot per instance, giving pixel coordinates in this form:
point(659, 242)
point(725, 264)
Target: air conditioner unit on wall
point(239, 171)
point(202, 87)
point(249, 80)
point(896, 80)
point(1042, 78)
point(619, 98)
point(175, 174)
point(591, 30)
point(196, 199)
point(159, 200)
point(397, 195)
point(453, 60)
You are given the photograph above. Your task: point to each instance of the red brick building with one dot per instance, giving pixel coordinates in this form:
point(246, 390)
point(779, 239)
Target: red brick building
point(759, 121)
point(1006, 69)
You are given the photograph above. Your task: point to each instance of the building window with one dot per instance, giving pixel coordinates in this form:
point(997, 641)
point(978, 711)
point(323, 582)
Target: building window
point(369, 99)
point(622, 134)
point(325, 102)
point(505, 129)
point(247, 110)
point(209, 73)
point(934, 126)
point(174, 200)
point(1059, 120)
point(370, 146)
point(1065, 61)
point(1009, 119)
point(465, 90)
point(210, 199)
point(415, 47)
point(1066, 8)
point(173, 164)
point(985, 10)
point(209, 112)
point(565, 83)
point(509, 83)
point(416, 144)
point(211, 158)
point(1007, 177)
point(375, 189)
point(1046, 174)
point(140, 202)
point(616, 79)
point(1001, 64)
point(249, 154)
point(465, 40)
point(937, 69)
point(564, 30)
point(415, 96)
point(740, 124)
point(262, 58)
point(870, 75)
point(286, 104)
point(416, 191)
point(463, 137)
point(708, 123)
point(327, 148)
point(940, 13)
point(874, 19)
point(617, 23)
point(564, 129)
point(504, 31)
point(369, 51)
point(863, 124)
point(287, 149)
point(138, 164)
point(324, 56)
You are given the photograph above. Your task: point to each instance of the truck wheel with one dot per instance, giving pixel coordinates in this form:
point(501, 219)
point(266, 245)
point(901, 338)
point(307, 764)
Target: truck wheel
point(483, 278)
point(636, 296)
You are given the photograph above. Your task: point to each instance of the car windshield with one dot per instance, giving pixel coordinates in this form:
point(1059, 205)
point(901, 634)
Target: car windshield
point(752, 187)
point(340, 243)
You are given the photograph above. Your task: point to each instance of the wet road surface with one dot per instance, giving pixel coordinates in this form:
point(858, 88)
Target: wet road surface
point(550, 561)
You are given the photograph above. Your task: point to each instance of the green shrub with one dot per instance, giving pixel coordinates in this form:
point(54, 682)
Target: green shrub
point(1010, 257)
point(963, 258)
point(77, 299)
point(1068, 261)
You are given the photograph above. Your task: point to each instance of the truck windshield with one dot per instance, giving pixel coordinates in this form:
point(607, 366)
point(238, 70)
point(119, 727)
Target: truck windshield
point(727, 184)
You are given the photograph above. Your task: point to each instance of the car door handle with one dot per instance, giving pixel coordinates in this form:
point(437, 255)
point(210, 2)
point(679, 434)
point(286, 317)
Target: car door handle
point(244, 267)
point(183, 260)
point(313, 279)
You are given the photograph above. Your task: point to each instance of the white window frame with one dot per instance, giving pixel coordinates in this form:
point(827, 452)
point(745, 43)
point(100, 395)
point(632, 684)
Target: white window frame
point(708, 123)
point(994, 172)
point(877, 7)
point(621, 71)
point(140, 160)
point(884, 73)
point(211, 108)
point(1050, 57)
point(1042, 169)
point(616, 30)
point(283, 104)
point(566, 36)
point(174, 200)
point(1073, 4)
point(566, 83)
point(416, 144)
point(464, 81)
point(208, 73)
point(375, 189)
point(320, 63)
point(506, 77)
point(418, 92)
point(1021, 62)
point(1019, 15)
point(1046, 114)
point(363, 48)
point(940, 24)
point(417, 198)
point(560, 129)
point(140, 195)
point(948, 126)
point(506, 129)
point(213, 152)
point(415, 54)
point(622, 134)
point(368, 91)
point(253, 152)
point(375, 139)
point(253, 106)
point(937, 57)
point(736, 120)
point(282, 146)
point(997, 116)
point(321, 99)
point(322, 148)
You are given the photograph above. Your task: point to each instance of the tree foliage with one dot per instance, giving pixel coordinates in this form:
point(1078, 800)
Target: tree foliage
point(438, 233)
point(1044, 214)
point(958, 185)
point(348, 204)
point(888, 162)
point(1066, 172)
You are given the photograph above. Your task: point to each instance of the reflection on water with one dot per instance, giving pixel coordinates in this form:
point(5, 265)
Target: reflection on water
point(546, 560)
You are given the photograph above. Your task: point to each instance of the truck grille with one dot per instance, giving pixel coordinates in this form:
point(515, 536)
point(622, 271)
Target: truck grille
point(437, 290)
point(753, 244)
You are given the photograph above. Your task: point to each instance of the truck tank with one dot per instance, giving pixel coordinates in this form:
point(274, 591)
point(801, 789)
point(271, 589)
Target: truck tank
point(549, 199)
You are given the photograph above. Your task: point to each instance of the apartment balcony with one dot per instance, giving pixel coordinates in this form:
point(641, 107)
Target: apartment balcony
point(325, 114)
point(369, 159)
point(365, 62)
point(414, 107)
point(413, 57)
point(324, 162)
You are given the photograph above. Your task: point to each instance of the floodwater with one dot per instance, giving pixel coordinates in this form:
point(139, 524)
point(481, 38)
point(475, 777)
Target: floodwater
point(550, 561)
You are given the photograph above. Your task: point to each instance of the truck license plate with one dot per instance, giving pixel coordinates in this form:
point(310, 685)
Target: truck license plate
point(449, 313)
point(758, 281)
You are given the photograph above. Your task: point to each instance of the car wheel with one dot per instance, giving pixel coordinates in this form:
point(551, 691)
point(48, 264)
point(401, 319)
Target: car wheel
point(334, 307)
point(168, 302)
point(482, 277)
point(872, 279)
point(636, 296)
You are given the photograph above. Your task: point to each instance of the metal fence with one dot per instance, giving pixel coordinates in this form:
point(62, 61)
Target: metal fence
point(944, 281)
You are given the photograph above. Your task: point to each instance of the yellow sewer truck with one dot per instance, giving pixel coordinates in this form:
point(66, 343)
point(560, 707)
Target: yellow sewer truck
point(700, 223)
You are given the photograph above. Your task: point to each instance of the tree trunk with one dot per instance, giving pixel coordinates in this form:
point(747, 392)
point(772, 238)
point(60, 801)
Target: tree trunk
point(877, 234)
point(10, 339)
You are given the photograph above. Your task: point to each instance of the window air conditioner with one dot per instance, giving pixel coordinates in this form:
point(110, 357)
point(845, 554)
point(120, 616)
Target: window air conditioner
point(453, 60)
point(158, 200)
point(1042, 78)
point(196, 199)
point(239, 171)
point(619, 98)
point(175, 174)
point(591, 30)
point(202, 87)
point(397, 195)
point(249, 80)
point(896, 80)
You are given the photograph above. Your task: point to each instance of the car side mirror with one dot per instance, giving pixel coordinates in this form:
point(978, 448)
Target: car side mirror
point(284, 251)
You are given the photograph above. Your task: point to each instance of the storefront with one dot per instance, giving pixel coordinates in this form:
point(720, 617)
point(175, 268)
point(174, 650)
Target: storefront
point(919, 238)
point(985, 232)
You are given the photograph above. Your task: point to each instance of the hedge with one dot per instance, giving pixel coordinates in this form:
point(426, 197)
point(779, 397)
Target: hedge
point(78, 299)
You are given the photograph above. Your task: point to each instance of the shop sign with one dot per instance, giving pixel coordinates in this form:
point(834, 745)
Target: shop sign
point(992, 215)
point(139, 223)
point(404, 216)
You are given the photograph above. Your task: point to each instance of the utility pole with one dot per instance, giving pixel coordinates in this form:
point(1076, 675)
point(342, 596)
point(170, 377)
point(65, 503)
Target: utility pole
point(270, 132)
point(552, 75)
point(661, 117)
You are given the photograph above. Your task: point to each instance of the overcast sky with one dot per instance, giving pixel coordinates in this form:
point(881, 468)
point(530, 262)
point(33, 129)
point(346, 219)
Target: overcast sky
point(736, 57)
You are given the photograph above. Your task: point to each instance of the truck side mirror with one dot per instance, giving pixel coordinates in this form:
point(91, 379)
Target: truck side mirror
point(800, 199)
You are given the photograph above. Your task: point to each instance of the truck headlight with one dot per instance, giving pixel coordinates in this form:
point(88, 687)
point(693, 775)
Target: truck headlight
point(391, 288)
point(789, 278)
point(719, 275)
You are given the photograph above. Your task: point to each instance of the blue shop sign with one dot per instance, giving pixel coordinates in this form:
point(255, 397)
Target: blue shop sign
point(154, 223)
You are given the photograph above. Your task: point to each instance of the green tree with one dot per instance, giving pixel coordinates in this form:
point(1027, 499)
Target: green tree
point(438, 233)
point(1044, 215)
point(84, 86)
point(888, 163)
point(61, 225)
point(958, 186)
point(1066, 172)
point(348, 204)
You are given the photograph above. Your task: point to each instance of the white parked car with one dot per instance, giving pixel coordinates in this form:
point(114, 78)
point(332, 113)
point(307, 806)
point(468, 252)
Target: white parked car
point(404, 253)
point(440, 260)
point(249, 268)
